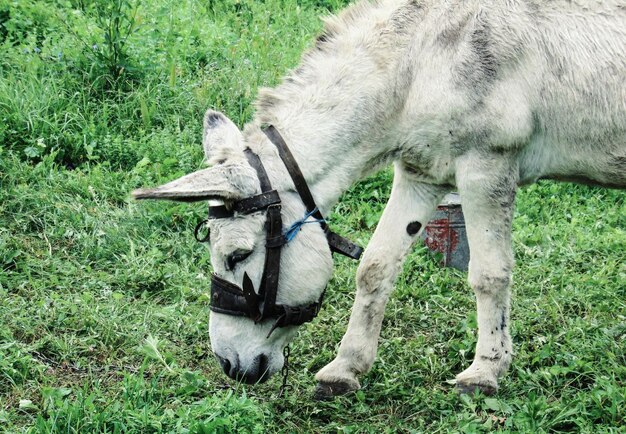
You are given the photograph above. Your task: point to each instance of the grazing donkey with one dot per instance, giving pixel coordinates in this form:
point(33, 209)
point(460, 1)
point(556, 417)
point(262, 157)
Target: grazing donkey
point(480, 96)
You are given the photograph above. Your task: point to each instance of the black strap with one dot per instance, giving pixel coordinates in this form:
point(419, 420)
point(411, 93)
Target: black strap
point(257, 203)
point(343, 246)
point(219, 212)
point(337, 243)
point(274, 231)
point(255, 162)
point(227, 298)
point(294, 171)
point(269, 282)
point(246, 206)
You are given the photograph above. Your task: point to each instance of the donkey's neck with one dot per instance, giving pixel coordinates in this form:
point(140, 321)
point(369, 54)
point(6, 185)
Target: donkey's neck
point(330, 157)
point(335, 109)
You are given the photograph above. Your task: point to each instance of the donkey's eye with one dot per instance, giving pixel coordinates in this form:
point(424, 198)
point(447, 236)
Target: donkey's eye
point(237, 257)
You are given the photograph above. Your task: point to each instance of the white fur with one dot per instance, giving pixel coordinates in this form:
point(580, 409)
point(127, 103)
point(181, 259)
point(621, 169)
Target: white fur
point(479, 95)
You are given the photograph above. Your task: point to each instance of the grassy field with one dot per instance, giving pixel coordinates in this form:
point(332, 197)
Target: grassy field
point(104, 302)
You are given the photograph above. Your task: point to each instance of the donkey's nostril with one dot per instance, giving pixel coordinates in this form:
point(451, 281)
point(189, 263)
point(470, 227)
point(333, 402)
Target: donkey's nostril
point(263, 368)
point(234, 373)
point(225, 363)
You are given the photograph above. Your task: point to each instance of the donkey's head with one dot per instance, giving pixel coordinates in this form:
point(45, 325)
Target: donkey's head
point(247, 333)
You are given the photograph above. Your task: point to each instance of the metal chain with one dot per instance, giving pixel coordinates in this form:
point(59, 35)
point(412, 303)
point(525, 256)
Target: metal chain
point(285, 373)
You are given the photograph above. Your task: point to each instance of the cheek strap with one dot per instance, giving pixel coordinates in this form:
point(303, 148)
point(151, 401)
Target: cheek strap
point(230, 299)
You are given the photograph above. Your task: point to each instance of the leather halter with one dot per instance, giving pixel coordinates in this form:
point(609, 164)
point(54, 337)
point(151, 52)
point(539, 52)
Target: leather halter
point(228, 298)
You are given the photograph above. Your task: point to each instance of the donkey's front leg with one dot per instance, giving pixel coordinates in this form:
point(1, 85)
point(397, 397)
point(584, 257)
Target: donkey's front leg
point(409, 207)
point(487, 184)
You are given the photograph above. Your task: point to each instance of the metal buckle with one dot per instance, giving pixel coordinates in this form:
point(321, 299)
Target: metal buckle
point(199, 227)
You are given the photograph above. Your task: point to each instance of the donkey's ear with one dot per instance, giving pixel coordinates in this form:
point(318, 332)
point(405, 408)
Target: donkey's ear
point(221, 138)
point(224, 182)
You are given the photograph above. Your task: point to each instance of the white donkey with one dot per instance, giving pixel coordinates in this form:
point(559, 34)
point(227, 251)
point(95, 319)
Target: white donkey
point(480, 96)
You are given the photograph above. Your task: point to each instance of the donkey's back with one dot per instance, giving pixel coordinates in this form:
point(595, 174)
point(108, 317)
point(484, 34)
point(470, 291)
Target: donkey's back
point(580, 90)
point(545, 80)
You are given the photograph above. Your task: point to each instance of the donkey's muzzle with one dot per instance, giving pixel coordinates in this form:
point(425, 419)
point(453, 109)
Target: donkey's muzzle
point(257, 372)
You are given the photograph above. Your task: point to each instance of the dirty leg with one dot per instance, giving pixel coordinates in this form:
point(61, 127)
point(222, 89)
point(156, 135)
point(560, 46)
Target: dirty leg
point(487, 184)
point(409, 208)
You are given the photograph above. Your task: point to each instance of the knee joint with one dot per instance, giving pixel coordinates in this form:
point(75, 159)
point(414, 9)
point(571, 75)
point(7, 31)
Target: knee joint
point(488, 283)
point(373, 274)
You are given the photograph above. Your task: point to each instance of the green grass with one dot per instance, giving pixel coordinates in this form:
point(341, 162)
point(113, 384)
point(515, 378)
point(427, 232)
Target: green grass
point(104, 302)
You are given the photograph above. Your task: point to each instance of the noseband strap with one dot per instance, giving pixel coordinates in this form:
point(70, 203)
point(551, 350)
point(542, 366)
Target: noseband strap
point(226, 297)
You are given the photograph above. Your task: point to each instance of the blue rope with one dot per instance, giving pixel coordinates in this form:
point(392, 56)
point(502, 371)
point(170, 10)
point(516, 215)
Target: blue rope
point(293, 230)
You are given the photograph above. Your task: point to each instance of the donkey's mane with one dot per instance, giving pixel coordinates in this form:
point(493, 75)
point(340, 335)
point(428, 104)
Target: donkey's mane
point(336, 24)
point(353, 27)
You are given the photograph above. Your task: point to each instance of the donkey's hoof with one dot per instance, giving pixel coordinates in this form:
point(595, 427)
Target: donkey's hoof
point(470, 389)
point(326, 391)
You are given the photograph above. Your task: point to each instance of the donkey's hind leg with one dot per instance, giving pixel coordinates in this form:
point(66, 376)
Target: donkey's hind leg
point(487, 184)
point(410, 206)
